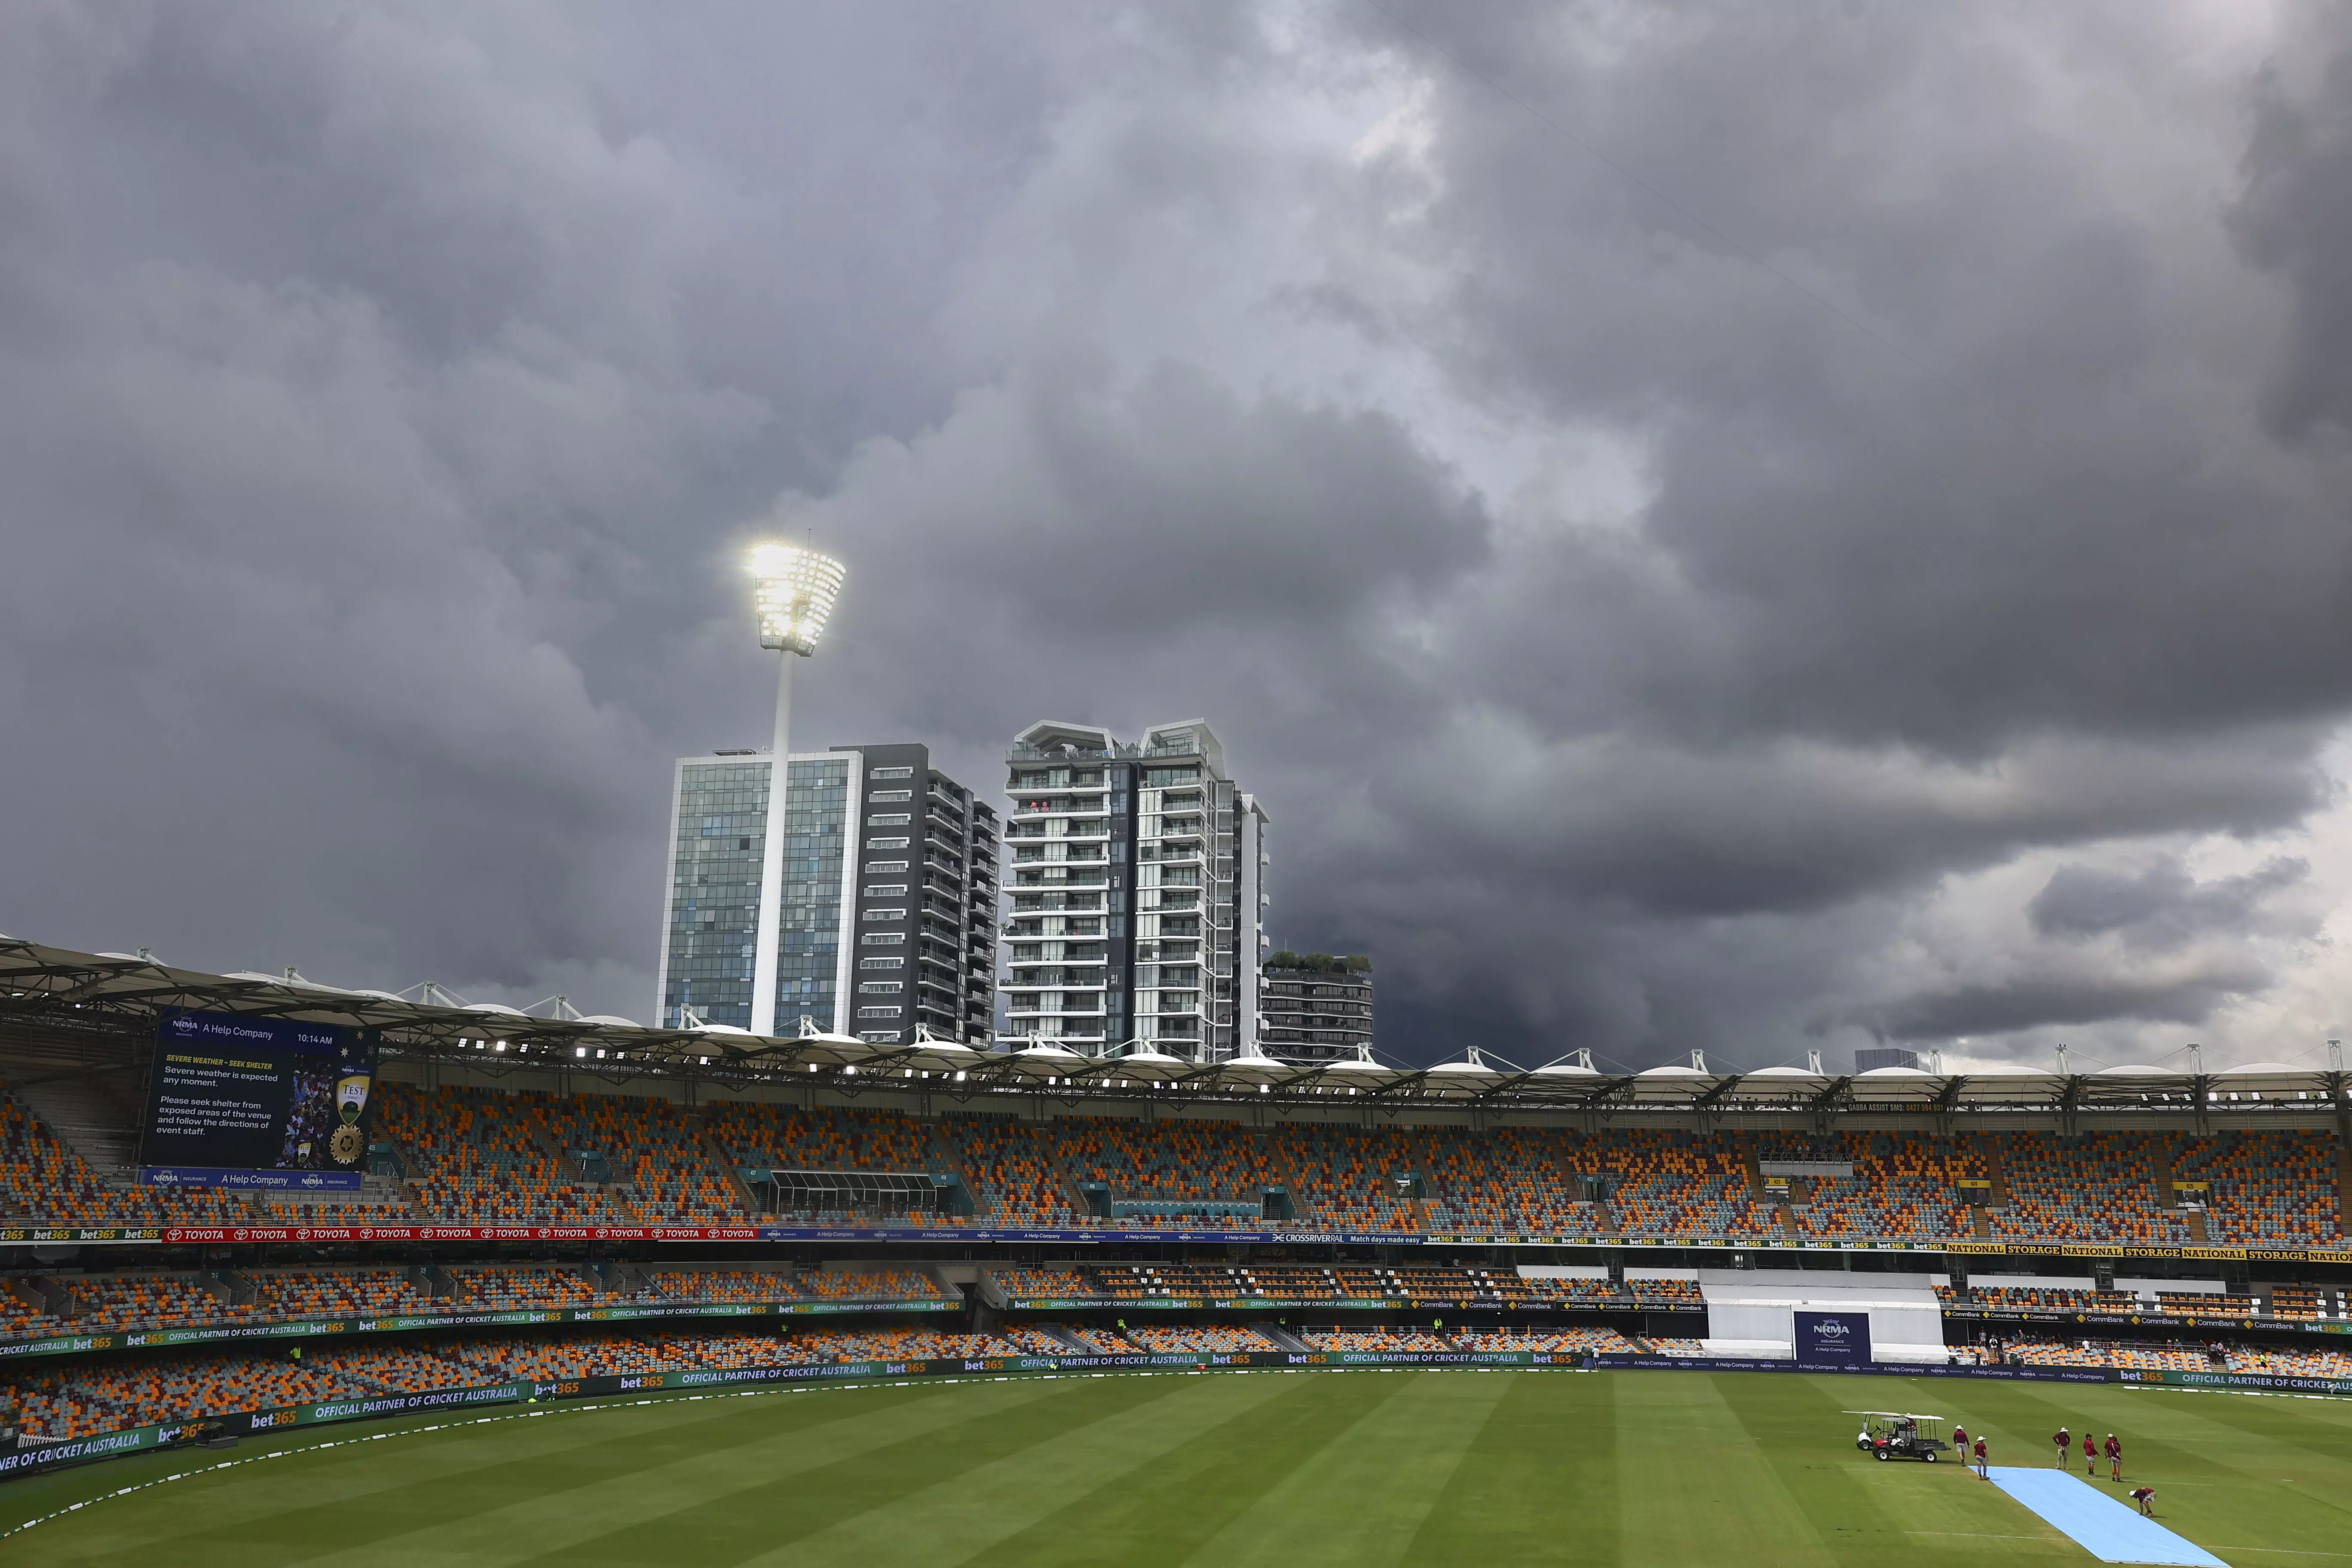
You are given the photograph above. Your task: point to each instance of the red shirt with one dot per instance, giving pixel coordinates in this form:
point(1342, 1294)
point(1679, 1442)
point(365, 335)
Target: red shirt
point(2115, 1450)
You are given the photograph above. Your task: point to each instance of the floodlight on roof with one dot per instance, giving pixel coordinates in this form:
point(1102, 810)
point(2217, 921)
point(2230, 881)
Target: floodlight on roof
point(796, 588)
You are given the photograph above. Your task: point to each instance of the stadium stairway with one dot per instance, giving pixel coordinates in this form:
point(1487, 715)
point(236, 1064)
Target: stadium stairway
point(2159, 1159)
point(1280, 1336)
point(1997, 1194)
point(81, 1113)
point(729, 1172)
point(2344, 1186)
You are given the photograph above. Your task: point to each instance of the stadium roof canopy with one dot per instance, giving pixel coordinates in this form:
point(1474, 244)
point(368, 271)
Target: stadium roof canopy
point(61, 996)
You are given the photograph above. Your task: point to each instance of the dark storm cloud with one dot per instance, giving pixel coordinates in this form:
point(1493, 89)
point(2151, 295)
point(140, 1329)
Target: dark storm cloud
point(1140, 512)
point(2161, 906)
point(1948, 458)
point(1976, 495)
point(2295, 217)
point(1744, 528)
point(2038, 1002)
point(377, 387)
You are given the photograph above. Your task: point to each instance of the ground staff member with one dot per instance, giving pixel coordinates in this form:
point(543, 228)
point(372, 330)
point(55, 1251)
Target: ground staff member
point(2066, 1442)
point(2146, 1497)
point(2090, 1456)
point(2115, 1458)
point(1984, 1468)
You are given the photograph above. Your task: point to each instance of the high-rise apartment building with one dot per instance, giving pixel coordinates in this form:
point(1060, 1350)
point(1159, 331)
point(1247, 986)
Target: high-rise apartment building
point(1136, 880)
point(1316, 1008)
point(888, 919)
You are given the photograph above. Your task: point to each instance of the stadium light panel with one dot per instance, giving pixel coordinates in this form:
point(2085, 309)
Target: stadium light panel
point(796, 592)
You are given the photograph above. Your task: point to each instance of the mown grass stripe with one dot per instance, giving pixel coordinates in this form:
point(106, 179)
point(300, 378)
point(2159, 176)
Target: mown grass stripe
point(1538, 1484)
point(1031, 1470)
point(1162, 1513)
point(1361, 1496)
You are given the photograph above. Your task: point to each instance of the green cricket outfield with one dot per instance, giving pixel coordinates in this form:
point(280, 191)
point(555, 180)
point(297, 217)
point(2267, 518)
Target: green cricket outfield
point(1298, 1468)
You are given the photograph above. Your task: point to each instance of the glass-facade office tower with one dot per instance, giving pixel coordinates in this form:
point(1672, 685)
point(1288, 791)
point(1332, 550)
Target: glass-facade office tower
point(1137, 881)
point(889, 896)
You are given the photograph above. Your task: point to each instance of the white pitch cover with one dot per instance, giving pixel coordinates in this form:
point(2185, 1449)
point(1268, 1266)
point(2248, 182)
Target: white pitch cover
point(1757, 1309)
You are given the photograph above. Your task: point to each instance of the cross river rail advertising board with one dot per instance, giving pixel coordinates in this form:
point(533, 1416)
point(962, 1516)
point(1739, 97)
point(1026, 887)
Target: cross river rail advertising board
point(268, 1103)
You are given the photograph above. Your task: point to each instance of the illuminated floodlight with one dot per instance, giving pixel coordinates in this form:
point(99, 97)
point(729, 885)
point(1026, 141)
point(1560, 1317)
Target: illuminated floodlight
point(795, 594)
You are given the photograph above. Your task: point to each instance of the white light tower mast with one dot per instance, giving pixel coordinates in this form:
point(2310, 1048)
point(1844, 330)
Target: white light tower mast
point(796, 592)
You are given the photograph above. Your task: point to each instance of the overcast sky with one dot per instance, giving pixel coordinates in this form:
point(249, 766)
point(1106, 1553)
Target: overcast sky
point(1725, 527)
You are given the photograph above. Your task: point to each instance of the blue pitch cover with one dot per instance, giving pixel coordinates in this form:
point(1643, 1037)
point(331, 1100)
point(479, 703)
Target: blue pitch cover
point(2110, 1529)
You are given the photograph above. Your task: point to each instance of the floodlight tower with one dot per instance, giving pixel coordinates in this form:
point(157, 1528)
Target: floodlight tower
point(795, 593)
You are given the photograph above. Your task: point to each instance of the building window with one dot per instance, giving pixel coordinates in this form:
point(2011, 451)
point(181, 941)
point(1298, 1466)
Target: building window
point(891, 773)
point(886, 890)
point(899, 914)
point(882, 939)
point(881, 963)
point(880, 868)
point(879, 1012)
point(880, 987)
point(893, 795)
point(896, 819)
point(886, 843)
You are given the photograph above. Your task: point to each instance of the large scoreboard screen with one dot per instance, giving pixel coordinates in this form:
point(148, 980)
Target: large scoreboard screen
point(238, 1102)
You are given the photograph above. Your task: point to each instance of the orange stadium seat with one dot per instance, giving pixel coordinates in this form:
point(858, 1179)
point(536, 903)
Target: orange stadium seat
point(2266, 1188)
point(2100, 1186)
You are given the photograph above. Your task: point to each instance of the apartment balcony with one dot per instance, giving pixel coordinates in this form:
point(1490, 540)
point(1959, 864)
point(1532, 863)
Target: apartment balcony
point(1060, 797)
point(1095, 879)
point(1050, 1018)
point(1055, 977)
point(1058, 753)
point(1073, 819)
point(1080, 852)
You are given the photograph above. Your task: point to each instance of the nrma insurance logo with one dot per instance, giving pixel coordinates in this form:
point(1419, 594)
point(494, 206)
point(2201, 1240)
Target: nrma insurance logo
point(1830, 1329)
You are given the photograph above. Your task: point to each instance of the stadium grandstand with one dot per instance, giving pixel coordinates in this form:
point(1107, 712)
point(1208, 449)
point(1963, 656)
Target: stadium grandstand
point(544, 1201)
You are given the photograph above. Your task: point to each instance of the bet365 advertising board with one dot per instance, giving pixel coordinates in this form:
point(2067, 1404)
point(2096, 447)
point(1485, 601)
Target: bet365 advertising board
point(238, 1102)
